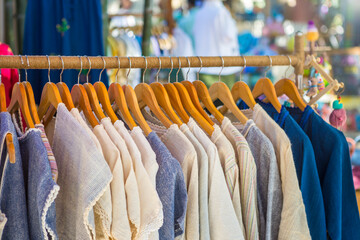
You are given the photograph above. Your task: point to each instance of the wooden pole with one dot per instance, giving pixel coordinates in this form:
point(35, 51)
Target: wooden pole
point(300, 53)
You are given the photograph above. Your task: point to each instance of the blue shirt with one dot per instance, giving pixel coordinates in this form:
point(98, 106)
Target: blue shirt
point(306, 170)
point(333, 163)
point(171, 188)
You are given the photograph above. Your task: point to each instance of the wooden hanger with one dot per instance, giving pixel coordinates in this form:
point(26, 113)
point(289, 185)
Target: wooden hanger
point(116, 94)
point(133, 104)
point(49, 96)
point(81, 100)
point(64, 90)
point(103, 95)
point(146, 97)
point(175, 98)
point(163, 98)
point(94, 101)
point(266, 87)
point(220, 90)
point(9, 137)
point(287, 87)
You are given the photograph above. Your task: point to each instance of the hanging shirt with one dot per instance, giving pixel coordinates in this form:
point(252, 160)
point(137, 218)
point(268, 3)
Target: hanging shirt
point(306, 170)
point(171, 188)
point(223, 221)
point(247, 176)
point(151, 214)
point(12, 188)
point(269, 194)
point(293, 224)
point(333, 164)
point(80, 162)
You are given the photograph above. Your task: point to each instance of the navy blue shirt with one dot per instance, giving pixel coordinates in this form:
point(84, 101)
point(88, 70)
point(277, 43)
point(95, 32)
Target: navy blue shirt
point(306, 170)
point(333, 163)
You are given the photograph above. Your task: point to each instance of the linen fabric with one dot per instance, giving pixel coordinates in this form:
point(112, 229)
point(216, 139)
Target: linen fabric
point(333, 164)
point(306, 170)
point(150, 206)
point(293, 224)
point(269, 194)
point(170, 185)
point(223, 221)
point(80, 190)
point(12, 188)
point(247, 178)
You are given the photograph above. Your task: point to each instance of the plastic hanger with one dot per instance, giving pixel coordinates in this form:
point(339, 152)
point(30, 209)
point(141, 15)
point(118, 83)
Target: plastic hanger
point(9, 137)
point(266, 87)
point(116, 94)
point(93, 98)
point(64, 90)
point(163, 98)
point(200, 89)
point(103, 96)
point(81, 100)
point(175, 97)
point(220, 90)
point(30, 94)
point(49, 96)
point(287, 87)
point(133, 104)
point(146, 97)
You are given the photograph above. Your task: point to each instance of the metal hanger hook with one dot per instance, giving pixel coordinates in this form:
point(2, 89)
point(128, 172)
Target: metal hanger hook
point(62, 69)
point(223, 64)
point(269, 66)
point(157, 74)
point(116, 76)
point(187, 73)
point(127, 75)
point(87, 75)
point(177, 73)
point(172, 67)
point(201, 65)
point(81, 68)
point(49, 67)
point(22, 62)
point(103, 68)
point(146, 63)
point(243, 67)
point(289, 65)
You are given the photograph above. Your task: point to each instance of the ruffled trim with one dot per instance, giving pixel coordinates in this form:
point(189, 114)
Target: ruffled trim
point(49, 200)
point(155, 224)
point(104, 219)
point(19, 131)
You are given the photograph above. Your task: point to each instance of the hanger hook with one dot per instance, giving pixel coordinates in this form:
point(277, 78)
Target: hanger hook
point(269, 66)
point(22, 62)
point(103, 68)
point(201, 65)
point(243, 66)
point(223, 63)
point(116, 76)
point(28, 65)
point(81, 68)
point(49, 67)
point(187, 73)
point(87, 75)
point(127, 75)
point(288, 66)
point(62, 68)
point(172, 67)
point(157, 74)
point(177, 73)
point(143, 76)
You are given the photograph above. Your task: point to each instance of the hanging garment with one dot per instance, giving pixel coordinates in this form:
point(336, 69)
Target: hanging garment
point(293, 224)
point(150, 206)
point(12, 186)
point(247, 177)
point(333, 164)
point(171, 188)
point(186, 23)
point(67, 28)
point(78, 161)
point(269, 194)
point(3, 221)
point(306, 170)
point(222, 217)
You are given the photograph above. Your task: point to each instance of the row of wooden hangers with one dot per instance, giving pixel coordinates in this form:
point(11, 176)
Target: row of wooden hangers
point(179, 100)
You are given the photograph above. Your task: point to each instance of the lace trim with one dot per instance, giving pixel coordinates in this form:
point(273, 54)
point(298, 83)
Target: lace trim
point(104, 219)
point(154, 224)
point(49, 200)
point(19, 131)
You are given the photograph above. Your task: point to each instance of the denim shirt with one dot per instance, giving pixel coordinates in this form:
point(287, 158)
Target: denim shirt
point(306, 170)
point(12, 188)
point(171, 188)
point(334, 168)
point(41, 190)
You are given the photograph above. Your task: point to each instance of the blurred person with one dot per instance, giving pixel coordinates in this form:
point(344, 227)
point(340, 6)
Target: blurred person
point(186, 23)
point(215, 34)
